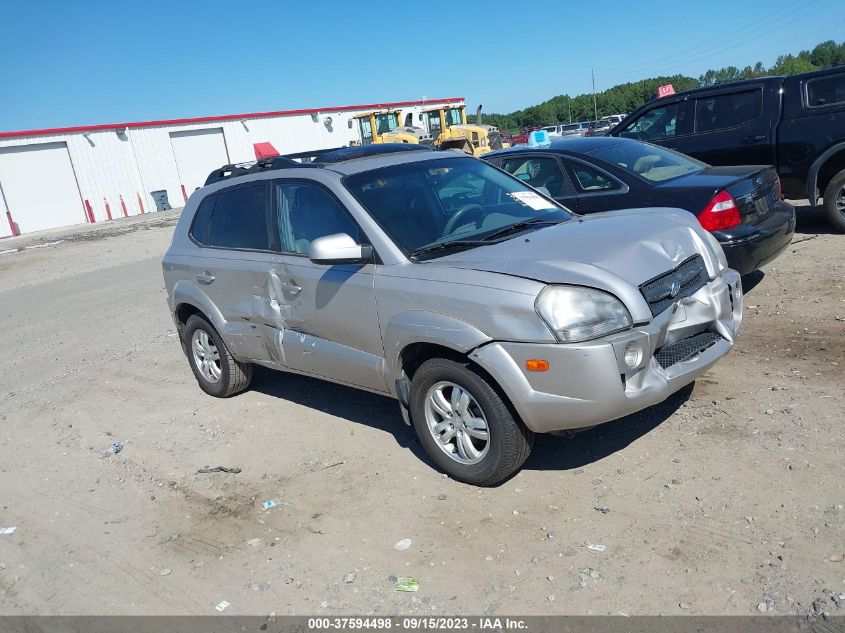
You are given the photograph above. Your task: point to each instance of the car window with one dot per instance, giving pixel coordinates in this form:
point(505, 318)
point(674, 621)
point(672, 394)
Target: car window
point(647, 161)
point(825, 91)
point(199, 227)
point(660, 122)
point(308, 211)
point(726, 111)
point(589, 179)
point(540, 172)
point(430, 202)
point(239, 219)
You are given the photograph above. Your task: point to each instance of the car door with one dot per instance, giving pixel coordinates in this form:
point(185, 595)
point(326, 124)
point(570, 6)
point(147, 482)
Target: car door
point(666, 124)
point(541, 169)
point(328, 312)
point(731, 127)
point(234, 230)
point(596, 188)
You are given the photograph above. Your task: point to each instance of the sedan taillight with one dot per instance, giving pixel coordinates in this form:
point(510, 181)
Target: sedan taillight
point(720, 213)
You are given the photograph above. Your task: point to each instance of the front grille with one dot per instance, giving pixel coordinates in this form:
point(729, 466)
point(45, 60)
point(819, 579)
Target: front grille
point(685, 349)
point(687, 278)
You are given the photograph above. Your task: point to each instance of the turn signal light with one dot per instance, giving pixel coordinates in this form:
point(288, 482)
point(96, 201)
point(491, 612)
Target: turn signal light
point(537, 365)
point(720, 213)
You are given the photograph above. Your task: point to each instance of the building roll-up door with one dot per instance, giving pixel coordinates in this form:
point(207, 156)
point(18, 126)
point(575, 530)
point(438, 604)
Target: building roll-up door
point(39, 186)
point(198, 153)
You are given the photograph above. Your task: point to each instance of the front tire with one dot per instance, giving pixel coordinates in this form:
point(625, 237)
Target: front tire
point(217, 373)
point(834, 201)
point(465, 425)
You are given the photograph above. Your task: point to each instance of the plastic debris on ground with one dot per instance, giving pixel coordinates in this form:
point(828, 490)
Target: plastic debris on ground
point(7, 530)
point(402, 545)
point(268, 504)
point(596, 547)
point(222, 606)
point(219, 469)
point(405, 583)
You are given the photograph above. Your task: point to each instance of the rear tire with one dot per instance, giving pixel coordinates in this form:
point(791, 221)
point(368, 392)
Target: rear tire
point(217, 373)
point(453, 402)
point(834, 201)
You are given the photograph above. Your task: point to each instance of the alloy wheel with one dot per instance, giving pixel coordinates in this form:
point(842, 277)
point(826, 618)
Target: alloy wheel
point(206, 356)
point(457, 423)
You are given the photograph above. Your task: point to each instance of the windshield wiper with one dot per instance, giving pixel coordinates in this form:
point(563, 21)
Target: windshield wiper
point(513, 228)
point(446, 246)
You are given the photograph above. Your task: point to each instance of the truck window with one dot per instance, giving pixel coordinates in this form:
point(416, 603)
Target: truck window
point(661, 122)
point(726, 111)
point(825, 91)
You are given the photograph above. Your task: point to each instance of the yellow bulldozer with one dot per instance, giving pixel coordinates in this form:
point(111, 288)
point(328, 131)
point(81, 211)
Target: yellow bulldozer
point(448, 126)
point(382, 126)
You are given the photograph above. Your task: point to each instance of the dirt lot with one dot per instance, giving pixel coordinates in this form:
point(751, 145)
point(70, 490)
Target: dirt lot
point(726, 496)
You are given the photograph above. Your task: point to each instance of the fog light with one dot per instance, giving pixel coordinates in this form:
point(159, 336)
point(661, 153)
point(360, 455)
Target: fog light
point(633, 354)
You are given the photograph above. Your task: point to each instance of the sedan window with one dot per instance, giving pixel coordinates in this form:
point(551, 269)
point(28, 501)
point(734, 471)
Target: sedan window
point(540, 172)
point(647, 161)
point(590, 180)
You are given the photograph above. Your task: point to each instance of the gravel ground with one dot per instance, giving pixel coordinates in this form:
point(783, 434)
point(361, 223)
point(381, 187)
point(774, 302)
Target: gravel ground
point(726, 499)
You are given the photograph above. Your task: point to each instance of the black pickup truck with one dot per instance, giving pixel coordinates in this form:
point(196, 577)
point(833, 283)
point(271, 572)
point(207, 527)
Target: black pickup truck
point(795, 123)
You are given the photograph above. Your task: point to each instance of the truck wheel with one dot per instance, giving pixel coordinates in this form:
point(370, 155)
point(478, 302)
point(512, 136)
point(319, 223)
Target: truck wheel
point(834, 201)
point(465, 425)
point(217, 373)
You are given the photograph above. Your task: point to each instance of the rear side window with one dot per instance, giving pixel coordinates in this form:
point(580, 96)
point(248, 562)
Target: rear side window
point(727, 111)
point(591, 180)
point(202, 220)
point(825, 91)
point(240, 219)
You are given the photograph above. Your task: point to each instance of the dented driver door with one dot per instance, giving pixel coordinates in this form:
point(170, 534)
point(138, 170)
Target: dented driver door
point(327, 313)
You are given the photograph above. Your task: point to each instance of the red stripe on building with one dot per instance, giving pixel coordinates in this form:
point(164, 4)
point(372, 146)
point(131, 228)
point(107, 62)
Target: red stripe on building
point(89, 212)
point(140, 202)
point(12, 224)
point(123, 205)
point(108, 209)
point(228, 117)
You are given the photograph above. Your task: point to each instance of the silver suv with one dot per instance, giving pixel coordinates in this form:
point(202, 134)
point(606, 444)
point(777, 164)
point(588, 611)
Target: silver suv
point(489, 311)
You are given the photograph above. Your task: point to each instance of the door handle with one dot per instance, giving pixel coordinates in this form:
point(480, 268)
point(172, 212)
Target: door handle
point(754, 139)
point(291, 288)
point(205, 278)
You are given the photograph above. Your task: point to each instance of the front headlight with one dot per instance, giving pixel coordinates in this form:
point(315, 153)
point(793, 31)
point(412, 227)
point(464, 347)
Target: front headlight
point(579, 314)
point(717, 250)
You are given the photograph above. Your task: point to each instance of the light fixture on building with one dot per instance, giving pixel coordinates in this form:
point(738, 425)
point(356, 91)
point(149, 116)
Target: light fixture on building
point(327, 121)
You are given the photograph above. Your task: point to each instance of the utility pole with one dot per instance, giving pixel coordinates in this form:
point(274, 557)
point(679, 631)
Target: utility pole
point(595, 107)
point(569, 104)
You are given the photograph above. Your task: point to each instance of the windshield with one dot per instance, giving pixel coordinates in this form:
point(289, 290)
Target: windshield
point(571, 126)
point(386, 122)
point(651, 162)
point(440, 201)
point(453, 117)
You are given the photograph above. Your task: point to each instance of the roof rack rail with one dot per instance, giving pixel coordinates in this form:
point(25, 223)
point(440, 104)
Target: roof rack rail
point(314, 158)
point(242, 169)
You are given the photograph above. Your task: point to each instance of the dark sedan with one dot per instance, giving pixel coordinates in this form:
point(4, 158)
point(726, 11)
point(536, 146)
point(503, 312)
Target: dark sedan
point(741, 206)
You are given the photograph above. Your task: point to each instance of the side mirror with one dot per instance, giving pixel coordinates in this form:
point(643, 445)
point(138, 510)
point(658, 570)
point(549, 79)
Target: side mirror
point(339, 248)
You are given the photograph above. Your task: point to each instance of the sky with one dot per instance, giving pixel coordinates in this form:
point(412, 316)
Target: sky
point(78, 63)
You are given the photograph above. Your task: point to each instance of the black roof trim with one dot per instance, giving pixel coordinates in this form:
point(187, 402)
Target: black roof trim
point(316, 158)
point(364, 151)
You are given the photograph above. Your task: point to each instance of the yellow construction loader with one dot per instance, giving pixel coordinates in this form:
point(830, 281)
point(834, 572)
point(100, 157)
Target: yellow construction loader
point(382, 126)
point(448, 126)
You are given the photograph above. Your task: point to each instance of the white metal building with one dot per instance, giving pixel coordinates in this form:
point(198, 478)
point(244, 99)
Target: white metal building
point(57, 177)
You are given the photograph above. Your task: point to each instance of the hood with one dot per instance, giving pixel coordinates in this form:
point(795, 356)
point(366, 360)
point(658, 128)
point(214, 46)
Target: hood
point(614, 251)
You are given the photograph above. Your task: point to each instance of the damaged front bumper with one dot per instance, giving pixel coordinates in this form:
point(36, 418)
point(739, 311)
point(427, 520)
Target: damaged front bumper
point(598, 381)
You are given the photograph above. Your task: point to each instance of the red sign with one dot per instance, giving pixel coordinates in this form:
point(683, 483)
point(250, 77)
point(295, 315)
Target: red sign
point(665, 91)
